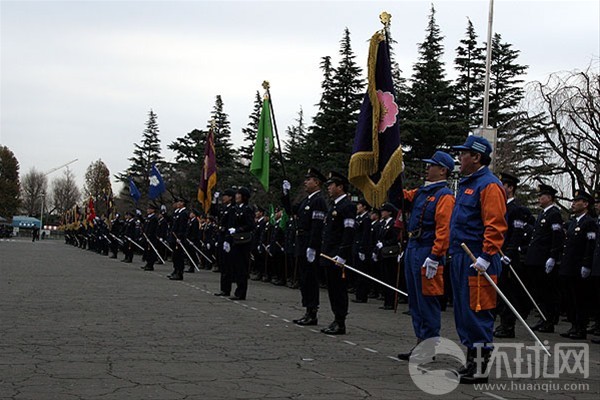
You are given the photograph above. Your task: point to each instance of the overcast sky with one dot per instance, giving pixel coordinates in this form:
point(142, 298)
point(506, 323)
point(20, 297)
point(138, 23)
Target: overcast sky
point(79, 77)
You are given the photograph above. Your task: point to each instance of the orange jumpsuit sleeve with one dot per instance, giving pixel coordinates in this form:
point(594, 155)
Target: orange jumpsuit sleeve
point(443, 213)
point(493, 215)
point(409, 194)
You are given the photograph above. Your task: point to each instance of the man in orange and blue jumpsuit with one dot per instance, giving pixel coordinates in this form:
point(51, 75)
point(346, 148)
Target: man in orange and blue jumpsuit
point(428, 240)
point(479, 221)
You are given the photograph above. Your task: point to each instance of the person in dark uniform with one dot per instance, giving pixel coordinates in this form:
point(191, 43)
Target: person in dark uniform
point(362, 249)
point(150, 231)
point(309, 230)
point(291, 258)
point(338, 237)
point(192, 238)
point(595, 305)
point(576, 265)
point(162, 233)
point(177, 238)
point(260, 257)
point(276, 250)
point(520, 222)
point(385, 252)
point(543, 254)
point(223, 251)
point(240, 237)
point(115, 229)
point(128, 232)
point(375, 291)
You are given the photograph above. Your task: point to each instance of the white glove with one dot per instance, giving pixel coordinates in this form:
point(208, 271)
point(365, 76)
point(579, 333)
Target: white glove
point(505, 260)
point(310, 255)
point(430, 267)
point(399, 257)
point(374, 257)
point(550, 265)
point(585, 272)
point(231, 231)
point(339, 260)
point(286, 186)
point(216, 195)
point(379, 245)
point(208, 246)
point(361, 256)
point(226, 247)
point(481, 265)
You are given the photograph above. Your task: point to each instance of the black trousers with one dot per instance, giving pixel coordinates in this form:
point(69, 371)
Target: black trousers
point(337, 288)
point(361, 283)
point(390, 276)
point(513, 291)
point(578, 299)
point(178, 258)
point(309, 281)
point(546, 290)
point(225, 267)
point(241, 263)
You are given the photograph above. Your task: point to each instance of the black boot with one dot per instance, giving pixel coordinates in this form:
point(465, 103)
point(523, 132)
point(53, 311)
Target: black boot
point(310, 318)
point(337, 327)
point(476, 369)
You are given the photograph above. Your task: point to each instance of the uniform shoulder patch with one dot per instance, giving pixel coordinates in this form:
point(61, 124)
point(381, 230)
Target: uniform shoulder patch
point(469, 191)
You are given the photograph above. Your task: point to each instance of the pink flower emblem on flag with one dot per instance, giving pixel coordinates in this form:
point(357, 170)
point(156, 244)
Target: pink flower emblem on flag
point(389, 110)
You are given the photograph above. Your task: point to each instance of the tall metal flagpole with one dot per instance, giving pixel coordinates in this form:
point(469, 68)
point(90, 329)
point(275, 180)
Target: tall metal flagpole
point(486, 131)
point(267, 86)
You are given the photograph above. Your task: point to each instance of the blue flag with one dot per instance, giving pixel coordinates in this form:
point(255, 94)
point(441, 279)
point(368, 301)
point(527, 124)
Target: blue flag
point(133, 191)
point(157, 185)
point(376, 162)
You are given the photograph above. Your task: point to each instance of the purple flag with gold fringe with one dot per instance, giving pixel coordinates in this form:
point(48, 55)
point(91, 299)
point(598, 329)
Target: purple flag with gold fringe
point(376, 161)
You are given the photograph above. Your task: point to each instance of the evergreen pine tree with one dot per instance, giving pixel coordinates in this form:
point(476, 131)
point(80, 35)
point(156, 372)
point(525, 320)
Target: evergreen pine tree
point(334, 126)
point(251, 130)
point(428, 124)
point(469, 85)
point(144, 154)
point(228, 166)
point(296, 152)
point(317, 136)
point(506, 90)
point(184, 175)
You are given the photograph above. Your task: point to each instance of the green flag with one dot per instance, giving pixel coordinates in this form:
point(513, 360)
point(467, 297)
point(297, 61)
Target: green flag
point(259, 167)
point(284, 220)
point(271, 215)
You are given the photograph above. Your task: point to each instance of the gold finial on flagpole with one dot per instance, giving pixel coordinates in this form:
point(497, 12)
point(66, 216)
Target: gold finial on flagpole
point(213, 124)
point(266, 85)
point(385, 18)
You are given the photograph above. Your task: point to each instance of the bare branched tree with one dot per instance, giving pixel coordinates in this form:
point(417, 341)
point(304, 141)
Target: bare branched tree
point(34, 185)
point(570, 103)
point(65, 193)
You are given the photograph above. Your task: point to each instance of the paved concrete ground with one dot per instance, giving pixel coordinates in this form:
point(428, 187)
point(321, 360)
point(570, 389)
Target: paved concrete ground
point(77, 325)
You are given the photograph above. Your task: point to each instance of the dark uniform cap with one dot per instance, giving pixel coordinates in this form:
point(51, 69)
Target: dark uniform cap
point(337, 178)
point(196, 212)
point(389, 207)
point(179, 199)
point(229, 192)
point(442, 159)
point(597, 196)
point(261, 209)
point(152, 206)
point(509, 179)
point(364, 203)
point(546, 189)
point(244, 192)
point(315, 173)
point(582, 195)
point(476, 143)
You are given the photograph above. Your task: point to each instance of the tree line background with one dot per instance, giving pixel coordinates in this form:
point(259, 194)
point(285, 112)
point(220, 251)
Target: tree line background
point(547, 131)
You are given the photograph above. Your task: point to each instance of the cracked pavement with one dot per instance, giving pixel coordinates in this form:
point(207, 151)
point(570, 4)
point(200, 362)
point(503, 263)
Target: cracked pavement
point(78, 325)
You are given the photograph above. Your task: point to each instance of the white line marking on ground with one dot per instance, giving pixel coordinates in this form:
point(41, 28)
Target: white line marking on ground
point(286, 320)
point(350, 343)
point(254, 308)
point(371, 350)
point(494, 395)
point(393, 358)
point(273, 315)
point(314, 330)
